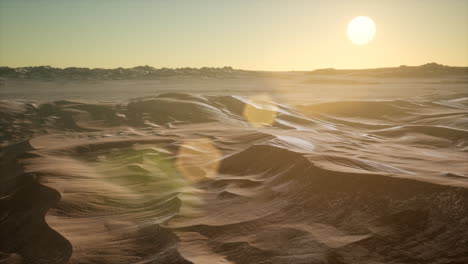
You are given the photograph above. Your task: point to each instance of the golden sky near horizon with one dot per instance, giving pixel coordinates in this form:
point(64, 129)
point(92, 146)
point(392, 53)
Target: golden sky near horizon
point(257, 35)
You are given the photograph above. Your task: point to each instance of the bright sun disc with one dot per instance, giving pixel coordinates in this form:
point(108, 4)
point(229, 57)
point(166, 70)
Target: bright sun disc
point(361, 30)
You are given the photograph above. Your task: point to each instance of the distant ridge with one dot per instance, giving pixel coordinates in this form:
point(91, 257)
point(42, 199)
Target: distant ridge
point(148, 72)
point(426, 70)
point(139, 72)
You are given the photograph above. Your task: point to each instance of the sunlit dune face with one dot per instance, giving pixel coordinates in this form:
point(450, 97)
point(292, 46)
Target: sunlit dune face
point(361, 30)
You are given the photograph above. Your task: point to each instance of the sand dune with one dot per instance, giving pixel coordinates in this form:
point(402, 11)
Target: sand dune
point(193, 178)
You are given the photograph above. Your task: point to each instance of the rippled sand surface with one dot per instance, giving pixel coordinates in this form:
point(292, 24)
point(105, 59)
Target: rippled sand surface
point(280, 173)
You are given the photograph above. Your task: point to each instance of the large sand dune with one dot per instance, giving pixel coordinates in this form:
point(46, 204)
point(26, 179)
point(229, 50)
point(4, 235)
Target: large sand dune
point(265, 169)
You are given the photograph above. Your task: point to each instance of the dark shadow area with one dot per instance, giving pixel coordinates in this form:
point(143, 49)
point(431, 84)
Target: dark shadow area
point(25, 237)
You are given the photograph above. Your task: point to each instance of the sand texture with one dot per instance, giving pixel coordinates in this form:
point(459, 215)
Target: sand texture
point(277, 169)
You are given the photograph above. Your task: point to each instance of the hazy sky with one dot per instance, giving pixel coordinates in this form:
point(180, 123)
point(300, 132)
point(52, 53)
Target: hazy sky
point(247, 34)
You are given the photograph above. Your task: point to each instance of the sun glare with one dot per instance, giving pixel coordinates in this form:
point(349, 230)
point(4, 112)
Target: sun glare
point(361, 30)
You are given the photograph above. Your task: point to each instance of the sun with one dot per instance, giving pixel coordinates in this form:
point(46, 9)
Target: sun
point(361, 30)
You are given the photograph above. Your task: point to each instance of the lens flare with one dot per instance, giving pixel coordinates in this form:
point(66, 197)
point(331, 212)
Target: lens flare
point(259, 111)
point(198, 159)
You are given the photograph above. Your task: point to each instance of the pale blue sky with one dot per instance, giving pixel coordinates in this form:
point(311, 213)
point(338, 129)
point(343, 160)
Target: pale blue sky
point(254, 34)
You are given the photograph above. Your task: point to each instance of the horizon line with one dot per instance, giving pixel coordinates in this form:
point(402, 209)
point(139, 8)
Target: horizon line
point(221, 67)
